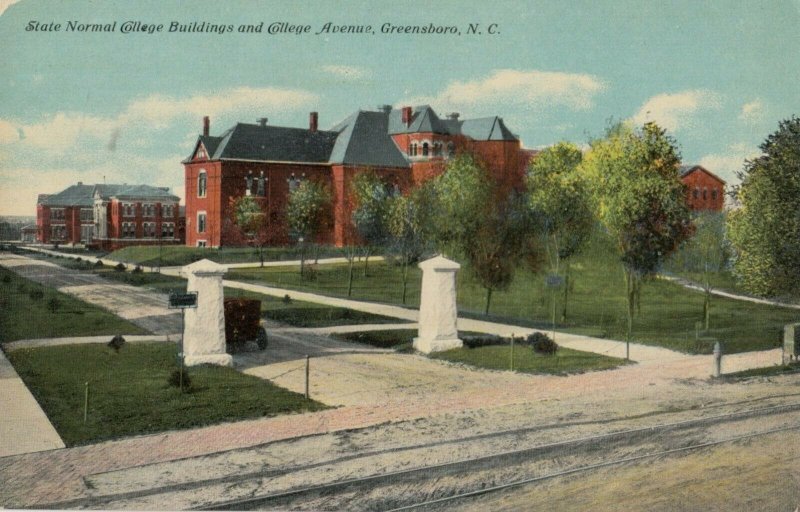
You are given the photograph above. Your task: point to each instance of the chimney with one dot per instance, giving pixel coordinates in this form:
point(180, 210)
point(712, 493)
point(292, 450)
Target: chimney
point(262, 121)
point(385, 108)
point(407, 116)
point(313, 117)
point(206, 126)
point(80, 183)
point(453, 116)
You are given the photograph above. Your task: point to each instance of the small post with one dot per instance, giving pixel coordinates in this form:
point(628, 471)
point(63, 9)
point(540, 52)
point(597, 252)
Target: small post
point(86, 402)
point(180, 354)
point(512, 351)
point(717, 359)
point(307, 371)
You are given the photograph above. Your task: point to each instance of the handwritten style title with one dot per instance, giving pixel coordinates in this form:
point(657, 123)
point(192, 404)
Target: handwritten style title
point(273, 28)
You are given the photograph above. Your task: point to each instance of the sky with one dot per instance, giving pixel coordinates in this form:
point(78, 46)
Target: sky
point(97, 106)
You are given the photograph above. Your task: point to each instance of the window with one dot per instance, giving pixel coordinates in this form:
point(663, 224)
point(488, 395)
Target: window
point(696, 192)
point(714, 194)
point(424, 149)
point(167, 230)
point(201, 222)
point(57, 214)
point(87, 215)
point(451, 149)
point(202, 183)
point(148, 210)
point(127, 210)
point(412, 149)
point(166, 210)
point(437, 149)
point(128, 230)
point(149, 229)
point(58, 232)
point(705, 194)
point(201, 243)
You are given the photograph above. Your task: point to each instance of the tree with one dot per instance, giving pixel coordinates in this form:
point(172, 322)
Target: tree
point(559, 195)
point(251, 221)
point(764, 231)
point(370, 216)
point(408, 225)
point(308, 212)
point(705, 252)
point(639, 199)
point(475, 220)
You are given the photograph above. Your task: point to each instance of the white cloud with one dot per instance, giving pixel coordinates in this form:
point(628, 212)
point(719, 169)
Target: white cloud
point(8, 132)
point(678, 110)
point(531, 90)
point(752, 112)
point(64, 129)
point(727, 163)
point(5, 4)
point(347, 73)
point(163, 109)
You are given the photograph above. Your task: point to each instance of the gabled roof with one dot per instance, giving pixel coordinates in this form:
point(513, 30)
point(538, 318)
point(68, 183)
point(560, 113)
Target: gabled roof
point(83, 195)
point(424, 119)
point(363, 140)
point(685, 170)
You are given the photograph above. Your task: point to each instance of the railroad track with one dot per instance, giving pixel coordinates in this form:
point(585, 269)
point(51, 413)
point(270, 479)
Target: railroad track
point(438, 485)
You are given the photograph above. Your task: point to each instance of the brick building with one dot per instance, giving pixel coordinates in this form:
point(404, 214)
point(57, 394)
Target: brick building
point(109, 216)
point(704, 189)
point(405, 146)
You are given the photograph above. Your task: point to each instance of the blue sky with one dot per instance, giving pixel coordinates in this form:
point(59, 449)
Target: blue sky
point(719, 75)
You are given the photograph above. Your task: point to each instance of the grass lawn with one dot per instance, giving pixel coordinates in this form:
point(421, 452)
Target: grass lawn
point(669, 316)
point(31, 310)
point(498, 357)
point(763, 372)
point(174, 255)
point(129, 393)
point(307, 314)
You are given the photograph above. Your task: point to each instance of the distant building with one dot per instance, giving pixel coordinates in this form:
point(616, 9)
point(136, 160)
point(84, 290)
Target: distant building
point(28, 234)
point(704, 189)
point(404, 146)
point(108, 216)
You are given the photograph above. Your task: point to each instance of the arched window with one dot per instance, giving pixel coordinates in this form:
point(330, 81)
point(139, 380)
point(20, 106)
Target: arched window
point(424, 149)
point(714, 194)
point(202, 183)
point(696, 193)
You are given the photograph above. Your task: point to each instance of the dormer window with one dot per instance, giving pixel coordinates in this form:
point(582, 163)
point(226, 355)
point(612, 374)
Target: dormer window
point(202, 183)
point(412, 149)
point(201, 153)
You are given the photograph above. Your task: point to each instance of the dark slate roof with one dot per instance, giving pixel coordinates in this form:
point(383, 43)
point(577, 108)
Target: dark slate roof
point(83, 195)
point(363, 140)
point(425, 119)
point(274, 143)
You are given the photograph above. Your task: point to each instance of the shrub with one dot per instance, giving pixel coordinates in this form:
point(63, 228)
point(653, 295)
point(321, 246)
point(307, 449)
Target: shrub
point(137, 270)
point(286, 299)
point(483, 341)
point(242, 319)
point(78, 259)
point(310, 273)
point(175, 378)
point(98, 264)
point(53, 304)
point(36, 294)
point(119, 267)
point(7, 279)
point(542, 343)
point(116, 342)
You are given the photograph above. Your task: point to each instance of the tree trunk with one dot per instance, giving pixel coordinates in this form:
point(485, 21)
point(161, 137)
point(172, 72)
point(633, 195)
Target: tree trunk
point(488, 301)
point(366, 262)
point(350, 279)
point(630, 291)
point(566, 294)
point(302, 259)
point(405, 279)
point(707, 303)
point(261, 255)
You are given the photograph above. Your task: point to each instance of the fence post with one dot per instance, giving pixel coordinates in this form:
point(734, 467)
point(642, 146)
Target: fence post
point(307, 372)
point(86, 402)
point(512, 351)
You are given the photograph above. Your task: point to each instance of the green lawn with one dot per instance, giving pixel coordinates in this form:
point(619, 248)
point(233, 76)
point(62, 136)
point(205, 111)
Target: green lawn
point(129, 393)
point(597, 307)
point(30, 310)
point(498, 357)
point(769, 371)
point(174, 255)
point(307, 314)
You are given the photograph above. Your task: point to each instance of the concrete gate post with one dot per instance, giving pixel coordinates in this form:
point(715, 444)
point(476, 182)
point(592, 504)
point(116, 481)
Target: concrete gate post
point(204, 328)
point(437, 306)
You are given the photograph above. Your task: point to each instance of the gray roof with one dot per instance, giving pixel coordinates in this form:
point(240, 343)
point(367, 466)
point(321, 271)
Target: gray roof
point(687, 169)
point(364, 138)
point(83, 195)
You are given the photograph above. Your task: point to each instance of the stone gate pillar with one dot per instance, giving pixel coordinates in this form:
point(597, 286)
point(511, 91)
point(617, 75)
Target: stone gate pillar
point(204, 329)
point(437, 306)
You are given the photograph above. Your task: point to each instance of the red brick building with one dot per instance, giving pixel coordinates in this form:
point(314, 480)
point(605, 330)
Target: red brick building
point(109, 216)
point(704, 189)
point(405, 146)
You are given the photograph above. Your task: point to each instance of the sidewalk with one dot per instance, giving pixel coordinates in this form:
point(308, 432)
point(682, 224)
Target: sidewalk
point(24, 427)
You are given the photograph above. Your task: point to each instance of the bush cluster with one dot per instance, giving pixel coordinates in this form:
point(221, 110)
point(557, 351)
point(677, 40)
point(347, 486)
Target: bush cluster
point(542, 343)
point(175, 379)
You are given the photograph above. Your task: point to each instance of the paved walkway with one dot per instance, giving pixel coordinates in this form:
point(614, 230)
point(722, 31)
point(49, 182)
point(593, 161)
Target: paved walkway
point(24, 427)
point(728, 295)
point(140, 306)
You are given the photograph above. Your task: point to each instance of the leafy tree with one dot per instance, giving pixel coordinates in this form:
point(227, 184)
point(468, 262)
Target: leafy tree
point(475, 221)
point(371, 214)
point(706, 252)
point(408, 225)
point(639, 199)
point(251, 221)
point(308, 212)
point(764, 231)
point(559, 195)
